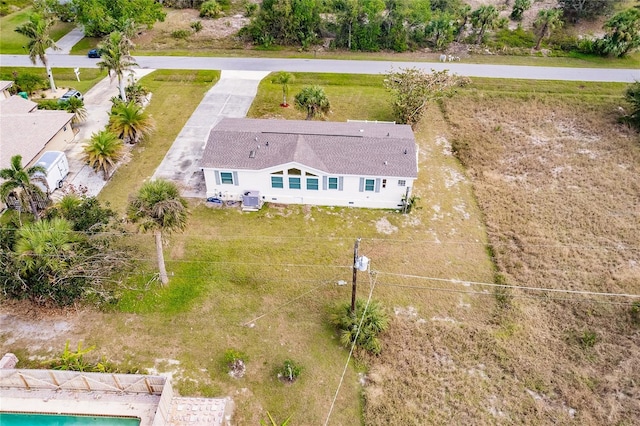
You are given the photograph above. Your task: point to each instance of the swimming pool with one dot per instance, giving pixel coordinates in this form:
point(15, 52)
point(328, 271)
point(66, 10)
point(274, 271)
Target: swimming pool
point(29, 419)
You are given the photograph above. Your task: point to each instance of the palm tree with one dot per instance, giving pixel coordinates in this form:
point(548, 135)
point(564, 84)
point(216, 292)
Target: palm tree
point(462, 17)
point(130, 122)
point(546, 21)
point(76, 107)
point(37, 30)
point(20, 182)
point(484, 18)
point(42, 245)
point(115, 53)
point(103, 151)
point(159, 207)
point(313, 101)
point(622, 33)
point(284, 78)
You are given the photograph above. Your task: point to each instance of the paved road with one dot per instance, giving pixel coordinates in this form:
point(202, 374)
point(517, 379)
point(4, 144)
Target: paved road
point(349, 67)
point(231, 96)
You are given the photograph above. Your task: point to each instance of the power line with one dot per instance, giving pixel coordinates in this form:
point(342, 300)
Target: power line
point(353, 345)
point(554, 290)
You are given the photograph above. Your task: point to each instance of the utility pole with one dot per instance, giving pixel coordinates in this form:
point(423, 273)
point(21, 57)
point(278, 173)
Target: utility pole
point(355, 275)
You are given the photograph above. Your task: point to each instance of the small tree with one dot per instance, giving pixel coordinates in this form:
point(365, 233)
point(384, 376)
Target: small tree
point(440, 30)
point(547, 21)
point(632, 95)
point(484, 18)
point(103, 151)
point(284, 78)
point(375, 322)
point(413, 89)
point(158, 207)
point(76, 107)
point(313, 101)
point(622, 33)
point(20, 183)
point(210, 9)
point(130, 122)
point(519, 7)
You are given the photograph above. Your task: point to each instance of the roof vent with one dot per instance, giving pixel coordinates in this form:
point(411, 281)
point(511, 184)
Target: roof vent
point(405, 151)
point(385, 163)
point(388, 134)
point(361, 130)
point(266, 143)
point(252, 154)
point(256, 139)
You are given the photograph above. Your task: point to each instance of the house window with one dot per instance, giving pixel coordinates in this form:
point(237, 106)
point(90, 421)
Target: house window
point(369, 184)
point(312, 184)
point(294, 172)
point(226, 178)
point(402, 182)
point(333, 183)
point(276, 182)
point(309, 174)
point(294, 183)
point(384, 183)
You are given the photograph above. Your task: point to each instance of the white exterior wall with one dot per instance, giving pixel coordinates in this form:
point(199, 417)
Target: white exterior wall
point(387, 196)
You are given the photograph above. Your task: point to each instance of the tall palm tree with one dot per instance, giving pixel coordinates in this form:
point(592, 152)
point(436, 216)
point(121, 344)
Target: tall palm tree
point(130, 122)
point(462, 17)
point(284, 78)
point(103, 151)
point(20, 182)
point(484, 18)
point(116, 58)
point(37, 30)
point(158, 207)
point(313, 101)
point(546, 21)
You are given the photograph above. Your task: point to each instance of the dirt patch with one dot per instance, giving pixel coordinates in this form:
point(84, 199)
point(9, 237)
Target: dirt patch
point(383, 226)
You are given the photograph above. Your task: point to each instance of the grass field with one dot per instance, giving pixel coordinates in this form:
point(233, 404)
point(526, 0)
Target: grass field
point(548, 196)
point(13, 43)
point(64, 77)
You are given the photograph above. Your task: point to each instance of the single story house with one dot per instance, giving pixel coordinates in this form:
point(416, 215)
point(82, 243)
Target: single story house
point(27, 131)
point(358, 164)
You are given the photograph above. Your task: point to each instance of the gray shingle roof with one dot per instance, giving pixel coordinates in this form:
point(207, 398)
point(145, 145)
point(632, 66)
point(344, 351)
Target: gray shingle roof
point(353, 148)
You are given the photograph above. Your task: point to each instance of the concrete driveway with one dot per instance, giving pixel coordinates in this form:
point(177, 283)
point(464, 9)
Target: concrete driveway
point(97, 101)
point(230, 97)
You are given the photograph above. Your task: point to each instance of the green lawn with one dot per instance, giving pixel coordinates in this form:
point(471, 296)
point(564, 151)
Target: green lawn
point(12, 43)
point(64, 77)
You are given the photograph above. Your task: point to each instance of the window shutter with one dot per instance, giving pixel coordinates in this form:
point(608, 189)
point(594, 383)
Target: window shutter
point(361, 185)
point(324, 183)
point(217, 173)
point(235, 178)
point(340, 183)
point(378, 185)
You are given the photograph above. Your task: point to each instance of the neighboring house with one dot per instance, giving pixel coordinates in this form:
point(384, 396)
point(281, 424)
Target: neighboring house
point(354, 164)
point(27, 131)
point(4, 89)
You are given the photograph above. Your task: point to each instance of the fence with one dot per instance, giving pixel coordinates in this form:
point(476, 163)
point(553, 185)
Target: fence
point(78, 381)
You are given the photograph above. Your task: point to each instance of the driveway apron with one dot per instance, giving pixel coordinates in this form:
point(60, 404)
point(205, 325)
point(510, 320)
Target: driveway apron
point(230, 97)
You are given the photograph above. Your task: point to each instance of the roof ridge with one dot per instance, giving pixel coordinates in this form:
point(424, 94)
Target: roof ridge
point(303, 153)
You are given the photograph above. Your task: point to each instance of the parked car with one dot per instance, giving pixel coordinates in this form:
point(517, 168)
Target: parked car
point(94, 53)
point(71, 93)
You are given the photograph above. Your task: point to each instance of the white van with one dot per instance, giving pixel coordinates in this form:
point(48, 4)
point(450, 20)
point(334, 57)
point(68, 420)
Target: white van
point(57, 167)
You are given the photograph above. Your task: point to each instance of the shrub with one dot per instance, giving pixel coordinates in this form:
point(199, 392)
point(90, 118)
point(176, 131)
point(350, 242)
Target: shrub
point(181, 34)
point(634, 311)
point(136, 92)
point(51, 104)
point(588, 339)
point(234, 362)
point(375, 322)
point(289, 371)
point(250, 9)
point(196, 26)
point(210, 9)
point(29, 83)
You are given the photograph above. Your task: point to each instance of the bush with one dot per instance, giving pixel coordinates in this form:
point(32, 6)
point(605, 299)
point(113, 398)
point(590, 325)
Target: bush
point(181, 34)
point(375, 322)
point(634, 311)
point(210, 9)
point(250, 9)
point(196, 26)
point(50, 104)
point(29, 83)
point(514, 38)
point(289, 371)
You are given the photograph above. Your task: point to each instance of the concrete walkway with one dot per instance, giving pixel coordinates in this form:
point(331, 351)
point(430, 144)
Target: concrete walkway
point(67, 42)
point(230, 97)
